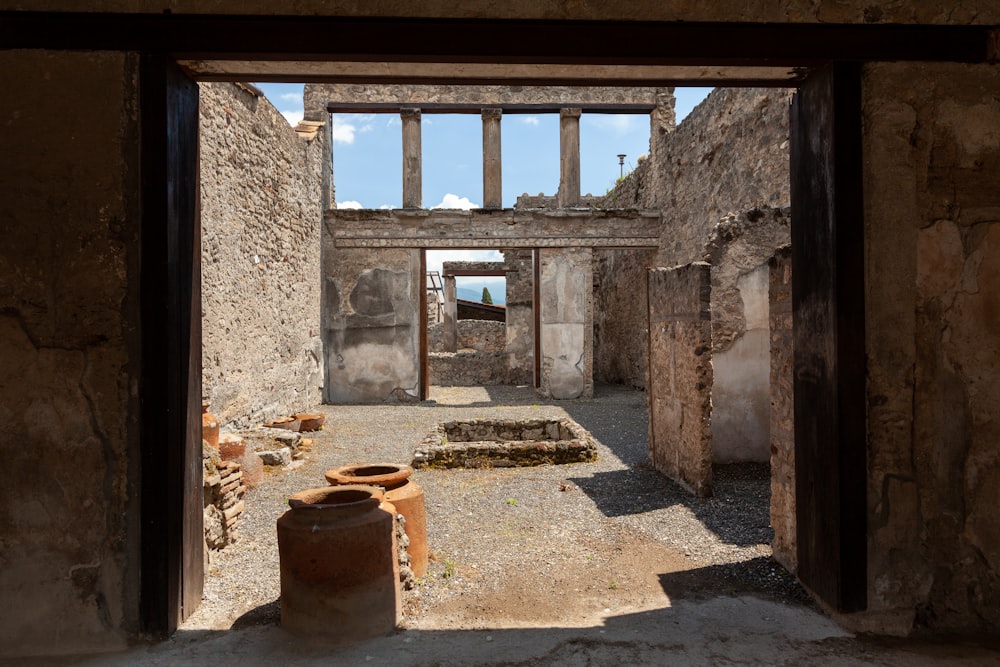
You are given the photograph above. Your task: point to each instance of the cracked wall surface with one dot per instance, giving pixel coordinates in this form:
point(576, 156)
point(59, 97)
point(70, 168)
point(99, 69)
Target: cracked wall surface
point(68, 352)
point(932, 209)
point(261, 220)
point(371, 324)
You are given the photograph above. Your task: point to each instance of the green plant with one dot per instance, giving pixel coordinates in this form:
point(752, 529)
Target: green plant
point(487, 297)
point(612, 585)
point(512, 501)
point(449, 569)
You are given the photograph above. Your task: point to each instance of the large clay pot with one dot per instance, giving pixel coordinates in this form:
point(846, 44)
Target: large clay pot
point(402, 492)
point(339, 566)
point(209, 427)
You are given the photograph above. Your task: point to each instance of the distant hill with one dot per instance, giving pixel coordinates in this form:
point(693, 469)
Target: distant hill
point(475, 293)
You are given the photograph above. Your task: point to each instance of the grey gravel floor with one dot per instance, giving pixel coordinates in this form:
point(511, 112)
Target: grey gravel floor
point(530, 522)
point(587, 564)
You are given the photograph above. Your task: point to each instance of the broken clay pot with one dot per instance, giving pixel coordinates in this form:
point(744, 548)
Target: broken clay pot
point(287, 423)
point(310, 422)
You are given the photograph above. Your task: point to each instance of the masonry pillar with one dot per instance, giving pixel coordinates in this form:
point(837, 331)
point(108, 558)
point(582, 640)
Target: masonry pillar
point(569, 157)
point(520, 315)
point(566, 322)
point(492, 191)
point(412, 185)
point(449, 325)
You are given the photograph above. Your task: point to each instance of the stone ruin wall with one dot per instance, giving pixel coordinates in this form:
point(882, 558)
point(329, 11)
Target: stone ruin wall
point(932, 233)
point(261, 222)
point(728, 156)
point(478, 335)
point(481, 358)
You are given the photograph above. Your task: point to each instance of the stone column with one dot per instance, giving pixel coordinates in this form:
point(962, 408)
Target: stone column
point(492, 190)
point(566, 322)
point(449, 326)
point(569, 157)
point(412, 185)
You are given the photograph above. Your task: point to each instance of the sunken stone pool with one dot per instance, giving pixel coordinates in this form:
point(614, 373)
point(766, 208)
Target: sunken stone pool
point(504, 443)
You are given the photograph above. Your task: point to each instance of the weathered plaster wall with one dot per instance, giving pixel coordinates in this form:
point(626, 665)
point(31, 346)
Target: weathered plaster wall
point(782, 431)
point(371, 324)
point(566, 322)
point(68, 352)
point(982, 12)
point(261, 221)
point(738, 250)
point(620, 316)
point(680, 375)
point(932, 225)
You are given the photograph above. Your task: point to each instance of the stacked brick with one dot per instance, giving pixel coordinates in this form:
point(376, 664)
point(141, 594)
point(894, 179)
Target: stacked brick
point(224, 506)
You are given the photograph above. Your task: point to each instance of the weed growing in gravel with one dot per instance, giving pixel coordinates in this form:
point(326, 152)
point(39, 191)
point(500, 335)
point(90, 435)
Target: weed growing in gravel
point(512, 502)
point(449, 569)
point(612, 585)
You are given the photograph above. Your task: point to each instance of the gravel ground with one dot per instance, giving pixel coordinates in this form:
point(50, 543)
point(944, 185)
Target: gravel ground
point(524, 546)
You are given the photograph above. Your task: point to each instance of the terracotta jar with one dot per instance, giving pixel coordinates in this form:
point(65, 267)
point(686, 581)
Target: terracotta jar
point(338, 563)
point(402, 492)
point(209, 427)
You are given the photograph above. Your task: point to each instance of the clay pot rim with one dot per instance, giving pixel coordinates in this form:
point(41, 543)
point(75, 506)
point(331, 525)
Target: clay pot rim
point(395, 474)
point(357, 497)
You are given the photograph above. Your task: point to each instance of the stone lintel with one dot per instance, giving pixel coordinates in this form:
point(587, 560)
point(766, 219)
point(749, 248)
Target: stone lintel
point(481, 228)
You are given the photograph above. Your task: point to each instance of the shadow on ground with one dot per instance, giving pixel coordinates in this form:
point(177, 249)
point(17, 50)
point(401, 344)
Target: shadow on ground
point(703, 625)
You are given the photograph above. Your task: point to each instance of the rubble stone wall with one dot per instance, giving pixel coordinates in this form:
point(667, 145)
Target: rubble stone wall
point(621, 333)
point(782, 427)
point(261, 219)
point(479, 335)
point(680, 375)
point(468, 368)
point(729, 156)
point(932, 251)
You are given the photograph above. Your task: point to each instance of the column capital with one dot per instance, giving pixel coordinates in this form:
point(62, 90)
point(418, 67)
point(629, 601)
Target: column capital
point(492, 112)
point(409, 112)
point(570, 112)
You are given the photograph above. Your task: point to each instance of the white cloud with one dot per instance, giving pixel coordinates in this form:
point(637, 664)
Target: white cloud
point(342, 131)
point(530, 120)
point(293, 117)
point(616, 123)
point(292, 97)
point(454, 201)
point(386, 206)
point(349, 204)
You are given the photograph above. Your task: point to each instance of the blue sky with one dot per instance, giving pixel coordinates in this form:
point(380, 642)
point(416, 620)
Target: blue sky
point(367, 156)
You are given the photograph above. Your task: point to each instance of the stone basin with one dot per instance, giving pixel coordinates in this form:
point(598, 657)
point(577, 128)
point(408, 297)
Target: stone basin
point(504, 443)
